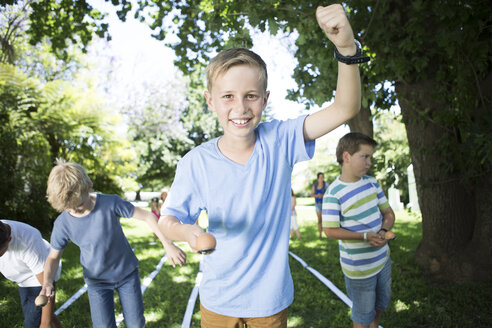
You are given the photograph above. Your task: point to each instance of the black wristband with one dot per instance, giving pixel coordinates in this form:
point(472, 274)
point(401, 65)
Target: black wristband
point(385, 230)
point(355, 59)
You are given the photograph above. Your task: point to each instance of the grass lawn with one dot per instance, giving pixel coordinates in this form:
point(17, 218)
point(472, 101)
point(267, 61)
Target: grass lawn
point(416, 302)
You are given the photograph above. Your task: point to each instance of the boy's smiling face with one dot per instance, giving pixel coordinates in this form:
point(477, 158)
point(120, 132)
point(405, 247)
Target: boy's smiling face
point(238, 99)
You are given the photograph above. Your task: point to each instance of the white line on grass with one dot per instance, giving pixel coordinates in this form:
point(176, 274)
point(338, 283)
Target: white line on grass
point(72, 299)
point(191, 302)
point(325, 281)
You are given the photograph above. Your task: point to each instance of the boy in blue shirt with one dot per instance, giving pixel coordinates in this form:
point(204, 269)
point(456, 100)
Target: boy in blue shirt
point(243, 180)
point(92, 222)
point(356, 211)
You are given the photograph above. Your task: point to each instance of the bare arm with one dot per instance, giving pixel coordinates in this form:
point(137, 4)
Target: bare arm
point(340, 233)
point(333, 20)
point(293, 203)
point(175, 230)
point(48, 317)
point(388, 220)
point(176, 255)
point(50, 269)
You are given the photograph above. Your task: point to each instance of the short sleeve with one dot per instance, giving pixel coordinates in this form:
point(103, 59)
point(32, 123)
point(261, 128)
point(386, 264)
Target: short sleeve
point(331, 211)
point(122, 207)
point(59, 238)
point(382, 200)
point(291, 134)
point(184, 200)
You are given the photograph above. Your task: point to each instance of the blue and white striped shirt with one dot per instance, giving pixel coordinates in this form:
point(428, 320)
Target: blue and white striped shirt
point(357, 207)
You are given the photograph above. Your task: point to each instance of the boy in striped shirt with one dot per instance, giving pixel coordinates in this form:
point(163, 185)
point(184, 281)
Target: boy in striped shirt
point(356, 212)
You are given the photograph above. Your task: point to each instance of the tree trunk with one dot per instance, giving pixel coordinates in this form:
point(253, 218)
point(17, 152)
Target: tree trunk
point(456, 218)
point(362, 122)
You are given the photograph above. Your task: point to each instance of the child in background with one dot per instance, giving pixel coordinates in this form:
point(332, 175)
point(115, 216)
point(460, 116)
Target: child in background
point(356, 211)
point(318, 190)
point(23, 252)
point(155, 208)
point(92, 222)
point(242, 179)
point(294, 227)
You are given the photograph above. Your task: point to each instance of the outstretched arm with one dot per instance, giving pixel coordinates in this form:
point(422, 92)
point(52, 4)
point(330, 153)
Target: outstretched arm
point(333, 20)
point(176, 255)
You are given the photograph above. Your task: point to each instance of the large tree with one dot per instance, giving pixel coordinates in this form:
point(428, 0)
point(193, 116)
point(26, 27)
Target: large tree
point(438, 53)
point(436, 58)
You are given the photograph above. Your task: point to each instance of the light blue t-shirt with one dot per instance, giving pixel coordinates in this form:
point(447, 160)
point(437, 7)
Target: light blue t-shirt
point(248, 208)
point(105, 253)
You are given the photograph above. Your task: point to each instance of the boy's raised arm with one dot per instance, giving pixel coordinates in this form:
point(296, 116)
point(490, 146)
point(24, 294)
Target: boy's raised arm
point(333, 20)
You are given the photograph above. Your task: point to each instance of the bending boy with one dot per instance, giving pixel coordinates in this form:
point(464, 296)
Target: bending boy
point(23, 252)
point(356, 211)
point(245, 180)
point(92, 222)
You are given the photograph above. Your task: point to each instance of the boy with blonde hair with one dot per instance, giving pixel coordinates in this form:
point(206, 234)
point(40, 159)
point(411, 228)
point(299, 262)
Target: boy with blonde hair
point(92, 222)
point(243, 178)
point(356, 211)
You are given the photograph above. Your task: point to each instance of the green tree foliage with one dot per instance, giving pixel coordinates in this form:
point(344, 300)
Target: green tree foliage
point(42, 122)
point(166, 121)
point(392, 156)
point(43, 118)
point(76, 128)
point(60, 23)
point(25, 153)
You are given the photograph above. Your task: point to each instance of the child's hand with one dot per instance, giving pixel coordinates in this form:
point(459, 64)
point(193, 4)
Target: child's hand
point(333, 20)
point(375, 239)
point(48, 290)
point(381, 233)
point(175, 254)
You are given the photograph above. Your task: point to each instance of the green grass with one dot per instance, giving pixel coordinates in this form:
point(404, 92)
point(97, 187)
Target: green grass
point(416, 302)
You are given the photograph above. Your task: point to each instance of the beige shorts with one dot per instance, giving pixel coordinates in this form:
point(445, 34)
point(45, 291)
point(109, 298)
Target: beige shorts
point(213, 320)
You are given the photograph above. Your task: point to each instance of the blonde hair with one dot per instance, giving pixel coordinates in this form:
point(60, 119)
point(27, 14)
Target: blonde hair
point(67, 184)
point(234, 57)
